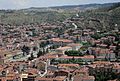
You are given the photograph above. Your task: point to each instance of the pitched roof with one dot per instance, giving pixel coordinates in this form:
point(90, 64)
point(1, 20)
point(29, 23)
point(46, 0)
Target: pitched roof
point(61, 40)
point(64, 48)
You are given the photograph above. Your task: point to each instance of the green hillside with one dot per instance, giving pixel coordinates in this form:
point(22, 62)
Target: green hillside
point(95, 16)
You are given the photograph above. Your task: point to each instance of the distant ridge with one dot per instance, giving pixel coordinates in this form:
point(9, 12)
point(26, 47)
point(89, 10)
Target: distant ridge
point(84, 6)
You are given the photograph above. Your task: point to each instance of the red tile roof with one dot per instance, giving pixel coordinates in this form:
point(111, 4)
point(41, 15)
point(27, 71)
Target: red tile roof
point(61, 40)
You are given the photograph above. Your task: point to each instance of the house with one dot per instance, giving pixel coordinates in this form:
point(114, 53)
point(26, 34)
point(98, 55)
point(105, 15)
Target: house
point(103, 54)
point(116, 68)
point(100, 66)
point(97, 41)
point(86, 58)
point(27, 77)
point(63, 49)
point(68, 65)
point(84, 78)
point(60, 42)
point(10, 77)
point(82, 74)
point(111, 38)
point(62, 73)
point(103, 46)
point(103, 39)
point(81, 71)
point(57, 78)
point(75, 46)
point(112, 47)
point(7, 74)
point(8, 55)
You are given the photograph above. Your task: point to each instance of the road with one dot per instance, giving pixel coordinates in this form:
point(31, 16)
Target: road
point(75, 25)
point(22, 58)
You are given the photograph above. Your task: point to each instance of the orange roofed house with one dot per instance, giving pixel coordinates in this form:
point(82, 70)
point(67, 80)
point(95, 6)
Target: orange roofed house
point(60, 42)
point(63, 49)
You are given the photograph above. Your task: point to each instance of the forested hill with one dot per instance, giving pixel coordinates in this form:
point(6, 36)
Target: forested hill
point(86, 6)
point(107, 14)
point(102, 18)
point(69, 7)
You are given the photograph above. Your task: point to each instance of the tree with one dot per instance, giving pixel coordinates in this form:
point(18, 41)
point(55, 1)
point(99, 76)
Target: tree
point(103, 74)
point(39, 53)
point(96, 36)
point(34, 48)
point(31, 57)
point(25, 49)
point(73, 53)
point(42, 44)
